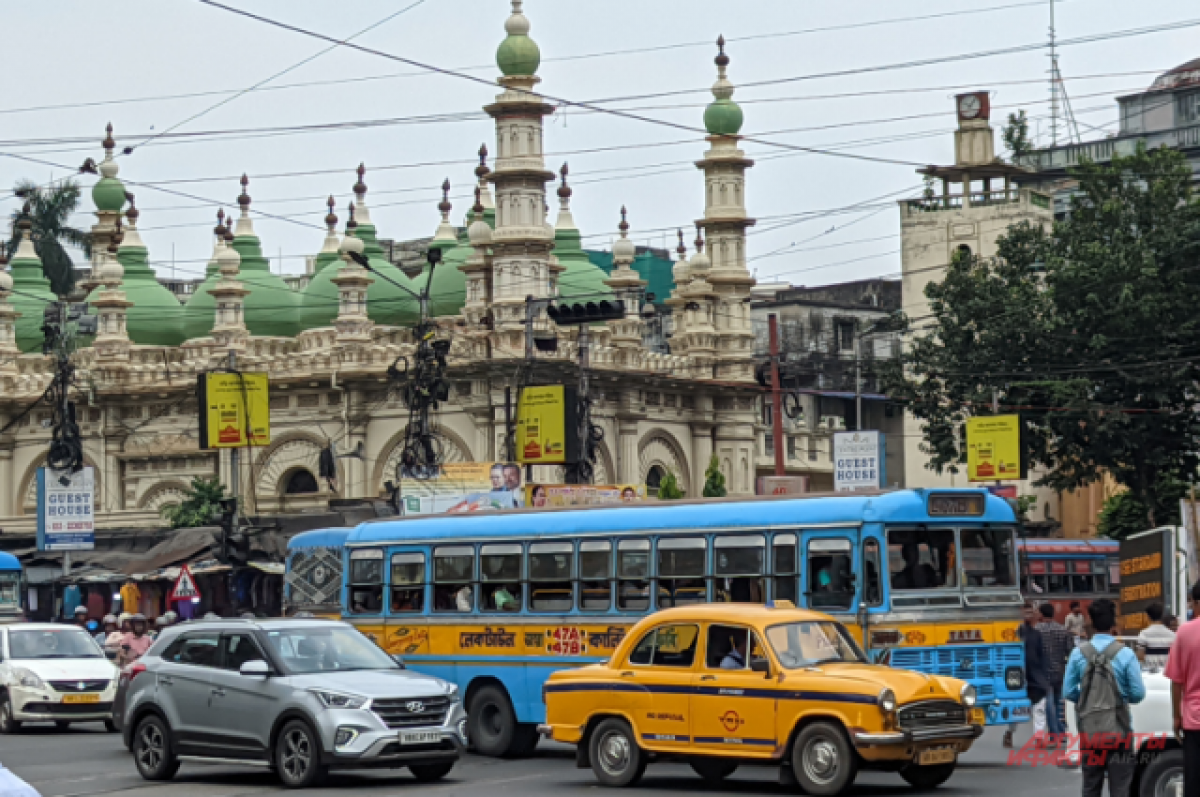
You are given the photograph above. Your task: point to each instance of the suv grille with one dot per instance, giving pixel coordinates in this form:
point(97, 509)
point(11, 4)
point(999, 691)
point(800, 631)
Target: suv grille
point(411, 712)
point(78, 686)
point(931, 714)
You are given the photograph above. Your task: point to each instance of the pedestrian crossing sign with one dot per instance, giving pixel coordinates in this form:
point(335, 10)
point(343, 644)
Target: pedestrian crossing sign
point(185, 586)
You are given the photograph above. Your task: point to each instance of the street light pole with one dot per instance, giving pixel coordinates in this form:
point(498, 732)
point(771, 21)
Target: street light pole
point(776, 395)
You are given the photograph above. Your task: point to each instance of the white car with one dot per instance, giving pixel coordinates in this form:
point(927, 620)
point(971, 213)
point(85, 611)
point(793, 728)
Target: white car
point(1159, 772)
point(53, 673)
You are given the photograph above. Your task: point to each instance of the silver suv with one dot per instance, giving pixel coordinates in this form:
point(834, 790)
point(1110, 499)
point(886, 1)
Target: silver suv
point(297, 696)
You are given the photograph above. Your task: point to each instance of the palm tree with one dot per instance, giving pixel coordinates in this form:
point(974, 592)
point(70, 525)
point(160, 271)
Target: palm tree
point(50, 208)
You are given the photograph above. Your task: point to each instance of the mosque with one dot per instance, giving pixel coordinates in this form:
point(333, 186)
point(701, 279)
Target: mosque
point(327, 346)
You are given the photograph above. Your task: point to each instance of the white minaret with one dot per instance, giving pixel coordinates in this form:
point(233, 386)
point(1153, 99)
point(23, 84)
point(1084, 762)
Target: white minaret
point(695, 331)
point(521, 241)
point(725, 222)
point(8, 323)
point(628, 286)
point(229, 321)
point(352, 323)
point(111, 305)
point(477, 266)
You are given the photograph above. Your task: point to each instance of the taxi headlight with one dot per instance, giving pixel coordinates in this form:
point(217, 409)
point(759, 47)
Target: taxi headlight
point(968, 695)
point(28, 678)
point(887, 700)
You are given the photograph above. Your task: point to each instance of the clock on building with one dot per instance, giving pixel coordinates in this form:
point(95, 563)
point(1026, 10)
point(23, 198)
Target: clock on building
point(973, 106)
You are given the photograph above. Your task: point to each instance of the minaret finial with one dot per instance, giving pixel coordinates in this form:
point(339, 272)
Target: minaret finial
point(108, 143)
point(219, 230)
point(482, 170)
point(351, 223)
point(624, 225)
point(722, 60)
point(478, 208)
point(444, 206)
point(699, 238)
point(681, 250)
point(243, 199)
point(131, 214)
point(360, 188)
point(331, 218)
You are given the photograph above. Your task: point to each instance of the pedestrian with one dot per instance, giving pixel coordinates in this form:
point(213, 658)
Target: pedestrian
point(1103, 679)
point(1183, 670)
point(108, 626)
point(1074, 622)
point(112, 643)
point(1171, 622)
point(1037, 683)
point(1155, 640)
point(80, 617)
point(1057, 644)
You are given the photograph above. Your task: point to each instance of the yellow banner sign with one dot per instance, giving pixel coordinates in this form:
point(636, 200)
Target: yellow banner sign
point(234, 410)
point(993, 448)
point(545, 419)
point(555, 495)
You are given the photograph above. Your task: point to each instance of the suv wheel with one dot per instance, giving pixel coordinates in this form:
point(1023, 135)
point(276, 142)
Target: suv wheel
point(298, 756)
point(1163, 772)
point(152, 751)
point(822, 759)
point(428, 773)
point(7, 723)
point(616, 758)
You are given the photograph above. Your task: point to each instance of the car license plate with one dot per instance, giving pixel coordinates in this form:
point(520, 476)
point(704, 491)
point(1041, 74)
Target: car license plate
point(942, 755)
point(420, 737)
point(81, 698)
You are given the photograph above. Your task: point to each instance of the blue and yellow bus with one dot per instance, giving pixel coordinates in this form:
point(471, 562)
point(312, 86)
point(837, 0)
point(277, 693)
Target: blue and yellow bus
point(927, 580)
point(312, 580)
point(10, 589)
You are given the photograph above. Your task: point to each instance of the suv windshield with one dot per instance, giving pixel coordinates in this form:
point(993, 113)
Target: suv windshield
point(799, 645)
point(67, 643)
point(327, 649)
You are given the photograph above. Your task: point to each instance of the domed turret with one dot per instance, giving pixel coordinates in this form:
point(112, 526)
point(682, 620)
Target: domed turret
point(723, 117)
point(623, 248)
point(679, 272)
point(448, 290)
point(581, 277)
point(518, 55)
point(108, 193)
point(700, 264)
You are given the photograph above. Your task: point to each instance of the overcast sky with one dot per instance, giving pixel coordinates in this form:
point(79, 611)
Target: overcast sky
point(80, 56)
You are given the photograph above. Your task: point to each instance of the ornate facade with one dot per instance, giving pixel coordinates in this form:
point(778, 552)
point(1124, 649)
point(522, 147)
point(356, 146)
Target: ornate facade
point(327, 348)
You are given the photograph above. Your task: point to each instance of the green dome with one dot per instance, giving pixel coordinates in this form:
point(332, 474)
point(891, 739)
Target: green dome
point(448, 291)
point(109, 194)
point(518, 55)
point(31, 291)
point(156, 317)
point(581, 278)
point(387, 304)
point(723, 118)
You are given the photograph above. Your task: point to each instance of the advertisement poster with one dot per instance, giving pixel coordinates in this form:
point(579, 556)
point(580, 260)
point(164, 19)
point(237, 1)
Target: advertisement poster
point(858, 461)
point(66, 518)
point(234, 410)
point(994, 448)
point(782, 485)
point(556, 495)
point(465, 487)
point(547, 426)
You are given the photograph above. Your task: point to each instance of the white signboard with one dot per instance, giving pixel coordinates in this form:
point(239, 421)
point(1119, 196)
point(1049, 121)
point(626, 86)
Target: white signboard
point(858, 461)
point(66, 519)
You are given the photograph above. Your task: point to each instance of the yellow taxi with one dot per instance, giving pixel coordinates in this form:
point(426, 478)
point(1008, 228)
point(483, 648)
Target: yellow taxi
point(721, 685)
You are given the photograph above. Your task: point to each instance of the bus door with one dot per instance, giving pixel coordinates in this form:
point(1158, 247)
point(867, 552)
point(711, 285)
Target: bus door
point(829, 579)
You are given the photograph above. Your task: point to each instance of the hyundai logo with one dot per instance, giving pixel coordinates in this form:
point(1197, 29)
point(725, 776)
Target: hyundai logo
point(414, 706)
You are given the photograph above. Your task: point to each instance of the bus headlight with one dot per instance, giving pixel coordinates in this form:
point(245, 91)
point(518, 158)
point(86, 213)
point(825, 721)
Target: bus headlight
point(887, 701)
point(968, 695)
point(1014, 678)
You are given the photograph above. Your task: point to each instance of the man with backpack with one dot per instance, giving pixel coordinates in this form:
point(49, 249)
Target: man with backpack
point(1103, 679)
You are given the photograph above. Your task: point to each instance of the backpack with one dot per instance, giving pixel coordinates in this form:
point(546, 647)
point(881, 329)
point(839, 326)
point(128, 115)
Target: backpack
point(1101, 707)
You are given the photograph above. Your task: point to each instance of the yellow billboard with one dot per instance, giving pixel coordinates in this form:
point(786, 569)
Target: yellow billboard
point(546, 426)
point(994, 448)
point(558, 495)
point(234, 410)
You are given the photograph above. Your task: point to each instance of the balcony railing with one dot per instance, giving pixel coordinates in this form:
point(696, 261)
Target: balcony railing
point(975, 199)
point(1071, 155)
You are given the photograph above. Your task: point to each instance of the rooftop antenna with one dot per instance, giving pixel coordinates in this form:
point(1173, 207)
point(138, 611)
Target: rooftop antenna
point(1058, 92)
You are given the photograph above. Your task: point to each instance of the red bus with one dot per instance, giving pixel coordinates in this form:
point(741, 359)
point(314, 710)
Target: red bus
point(1059, 572)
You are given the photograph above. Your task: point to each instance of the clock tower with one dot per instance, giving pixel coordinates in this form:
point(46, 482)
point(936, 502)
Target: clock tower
point(974, 143)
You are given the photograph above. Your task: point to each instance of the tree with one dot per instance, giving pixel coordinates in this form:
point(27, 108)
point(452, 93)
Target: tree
point(1088, 331)
point(1016, 135)
point(200, 503)
point(668, 488)
point(714, 480)
point(1124, 513)
point(50, 209)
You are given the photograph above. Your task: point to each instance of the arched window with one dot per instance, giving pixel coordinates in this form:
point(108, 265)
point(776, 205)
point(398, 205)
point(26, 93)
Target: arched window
point(963, 251)
point(301, 482)
point(654, 479)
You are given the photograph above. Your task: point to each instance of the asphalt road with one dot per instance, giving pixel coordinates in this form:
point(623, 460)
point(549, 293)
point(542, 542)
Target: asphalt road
point(86, 761)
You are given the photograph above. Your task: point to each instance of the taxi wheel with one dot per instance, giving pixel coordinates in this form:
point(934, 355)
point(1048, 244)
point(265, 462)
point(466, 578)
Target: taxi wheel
point(616, 758)
point(713, 768)
point(7, 723)
point(927, 777)
point(822, 759)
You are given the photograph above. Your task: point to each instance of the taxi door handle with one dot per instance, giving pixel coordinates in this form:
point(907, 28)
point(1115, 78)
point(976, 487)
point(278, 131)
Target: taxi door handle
point(708, 677)
point(627, 674)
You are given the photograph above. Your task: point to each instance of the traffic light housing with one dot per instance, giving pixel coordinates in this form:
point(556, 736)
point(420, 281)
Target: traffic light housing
point(567, 314)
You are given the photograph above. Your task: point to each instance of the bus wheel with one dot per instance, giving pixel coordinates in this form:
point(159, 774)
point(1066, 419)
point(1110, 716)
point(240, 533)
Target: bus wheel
point(492, 723)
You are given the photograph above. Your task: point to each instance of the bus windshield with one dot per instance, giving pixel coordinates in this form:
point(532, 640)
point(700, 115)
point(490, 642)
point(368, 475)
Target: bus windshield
point(799, 645)
point(921, 559)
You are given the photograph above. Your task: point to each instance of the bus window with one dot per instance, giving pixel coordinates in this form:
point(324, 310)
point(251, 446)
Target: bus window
point(500, 574)
point(921, 559)
point(408, 582)
point(872, 574)
point(595, 575)
point(830, 583)
point(550, 571)
point(453, 570)
point(681, 572)
point(633, 575)
point(366, 581)
point(987, 559)
point(738, 567)
point(784, 567)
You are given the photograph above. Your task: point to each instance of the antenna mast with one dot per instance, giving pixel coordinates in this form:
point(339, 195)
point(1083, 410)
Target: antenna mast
point(1058, 93)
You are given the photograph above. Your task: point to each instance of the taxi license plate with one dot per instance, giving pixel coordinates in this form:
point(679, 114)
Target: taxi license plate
point(81, 698)
point(420, 737)
point(936, 756)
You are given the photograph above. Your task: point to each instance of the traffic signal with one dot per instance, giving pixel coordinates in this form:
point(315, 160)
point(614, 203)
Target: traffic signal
point(586, 312)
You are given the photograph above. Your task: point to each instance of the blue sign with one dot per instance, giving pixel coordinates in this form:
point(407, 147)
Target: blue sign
point(66, 517)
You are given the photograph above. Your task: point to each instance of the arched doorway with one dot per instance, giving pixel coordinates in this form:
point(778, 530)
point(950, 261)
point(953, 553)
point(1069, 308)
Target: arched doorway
point(654, 479)
point(301, 482)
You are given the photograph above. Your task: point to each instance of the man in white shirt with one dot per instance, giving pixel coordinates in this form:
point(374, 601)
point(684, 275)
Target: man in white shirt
point(1073, 622)
point(1154, 643)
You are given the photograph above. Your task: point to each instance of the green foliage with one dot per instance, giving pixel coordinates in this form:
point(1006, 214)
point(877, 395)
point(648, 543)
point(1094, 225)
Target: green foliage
point(1089, 331)
point(199, 504)
point(668, 488)
point(50, 210)
point(1124, 513)
point(714, 480)
point(1026, 503)
point(1016, 135)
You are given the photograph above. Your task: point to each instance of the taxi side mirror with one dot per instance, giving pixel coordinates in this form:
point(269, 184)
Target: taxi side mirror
point(760, 665)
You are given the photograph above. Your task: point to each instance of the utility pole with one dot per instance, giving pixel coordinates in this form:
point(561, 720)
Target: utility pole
point(776, 395)
point(858, 418)
point(235, 459)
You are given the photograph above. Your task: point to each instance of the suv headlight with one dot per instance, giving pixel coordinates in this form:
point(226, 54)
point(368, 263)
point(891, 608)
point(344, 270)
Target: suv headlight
point(28, 678)
point(968, 695)
point(1014, 678)
point(339, 700)
point(887, 700)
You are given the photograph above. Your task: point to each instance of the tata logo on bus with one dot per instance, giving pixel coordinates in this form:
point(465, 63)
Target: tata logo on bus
point(965, 636)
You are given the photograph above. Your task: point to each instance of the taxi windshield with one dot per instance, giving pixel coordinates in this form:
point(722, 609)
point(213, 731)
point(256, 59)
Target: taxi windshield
point(68, 643)
point(799, 645)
